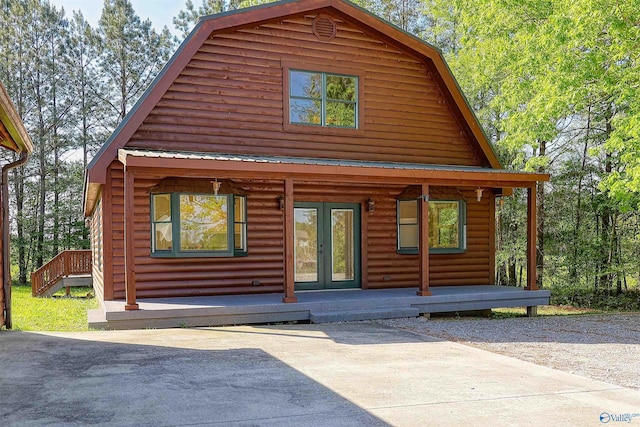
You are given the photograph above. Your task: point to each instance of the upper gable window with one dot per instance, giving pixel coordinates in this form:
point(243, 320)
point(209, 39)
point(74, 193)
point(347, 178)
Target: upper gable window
point(323, 99)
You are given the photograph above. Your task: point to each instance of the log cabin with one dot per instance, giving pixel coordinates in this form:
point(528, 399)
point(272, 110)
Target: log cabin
point(14, 138)
point(297, 146)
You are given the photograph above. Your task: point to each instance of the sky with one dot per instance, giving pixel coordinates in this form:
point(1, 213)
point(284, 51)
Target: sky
point(160, 12)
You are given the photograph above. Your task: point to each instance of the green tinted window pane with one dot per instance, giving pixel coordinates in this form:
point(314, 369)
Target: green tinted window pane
point(341, 114)
point(161, 207)
point(342, 245)
point(305, 84)
point(239, 209)
point(408, 212)
point(341, 88)
point(408, 236)
point(444, 220)
point(203, 223)
point(305, 111)
point(306, 245)
point(162, 236)
point(240, 236)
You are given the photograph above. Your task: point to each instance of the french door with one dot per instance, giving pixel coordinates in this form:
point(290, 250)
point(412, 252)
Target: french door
point(327, 245)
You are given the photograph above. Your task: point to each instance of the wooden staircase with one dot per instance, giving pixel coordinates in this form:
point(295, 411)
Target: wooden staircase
point(68, 268)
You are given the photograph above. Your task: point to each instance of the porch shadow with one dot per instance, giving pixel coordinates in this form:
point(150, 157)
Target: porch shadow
point(55, 380)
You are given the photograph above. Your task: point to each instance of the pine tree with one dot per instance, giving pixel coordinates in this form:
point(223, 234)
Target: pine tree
point(131, 54)
point(88, 128)
point(187, 18)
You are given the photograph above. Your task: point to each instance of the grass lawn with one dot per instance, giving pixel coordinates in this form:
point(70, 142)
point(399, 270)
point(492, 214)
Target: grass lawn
point(68, 314)
point(58, 313)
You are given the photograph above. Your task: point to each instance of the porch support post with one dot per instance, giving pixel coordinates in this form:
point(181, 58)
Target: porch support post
point(424, 242)
point(531, 239)
point(364, 245)
point(289, 273)
point(129, 256)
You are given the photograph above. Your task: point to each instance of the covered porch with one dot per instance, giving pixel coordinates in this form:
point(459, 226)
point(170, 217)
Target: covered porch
point(291, 171)
point(312, 306)
point(401, 285)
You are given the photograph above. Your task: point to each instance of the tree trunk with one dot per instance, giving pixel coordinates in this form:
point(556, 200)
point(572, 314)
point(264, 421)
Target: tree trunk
point(540, 221)
point(614, 266)
point(604, 276)
point(513, 280)
point(573, 266)
point(19, 174)
point(502, 274)
point(39, 255)
point(520, 276)
point(85, 137)
point(56, 153)
point(605, 279)
point(18, 189)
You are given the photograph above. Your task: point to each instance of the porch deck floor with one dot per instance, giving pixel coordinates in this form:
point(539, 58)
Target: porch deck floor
point(267, 308)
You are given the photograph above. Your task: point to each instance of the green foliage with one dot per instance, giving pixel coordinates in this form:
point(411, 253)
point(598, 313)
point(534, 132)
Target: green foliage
point(58, 313)
point(38, 71)
point(187, 18)
point(71, 85)
point(601, 299)
point(86, 128)
point(406, 14)
point(554, 83)
point(132, 53)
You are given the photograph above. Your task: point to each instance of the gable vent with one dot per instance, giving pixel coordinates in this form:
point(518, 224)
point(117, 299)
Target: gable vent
point(324, 28)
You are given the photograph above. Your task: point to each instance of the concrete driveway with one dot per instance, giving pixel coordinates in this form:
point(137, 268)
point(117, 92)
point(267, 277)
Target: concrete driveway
point(301, 375)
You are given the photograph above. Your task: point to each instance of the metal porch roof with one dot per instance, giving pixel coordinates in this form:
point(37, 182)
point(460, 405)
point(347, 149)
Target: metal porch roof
point(122, 153)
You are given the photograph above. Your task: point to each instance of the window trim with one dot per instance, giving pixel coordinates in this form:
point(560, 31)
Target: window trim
point(152, 215)
point(243, 250)
point(326, 68)
point(175, 222)
point(462, 229)
point(406, 249)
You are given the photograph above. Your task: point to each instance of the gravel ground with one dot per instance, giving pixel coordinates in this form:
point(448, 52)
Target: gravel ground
point(603, 347)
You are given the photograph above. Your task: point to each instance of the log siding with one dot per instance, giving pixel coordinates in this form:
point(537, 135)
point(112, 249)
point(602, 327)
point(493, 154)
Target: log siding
point(229, 98)
point(262, 270)
point(96, 236)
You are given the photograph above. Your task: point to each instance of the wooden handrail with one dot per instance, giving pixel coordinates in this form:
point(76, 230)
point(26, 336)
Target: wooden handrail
point(64, 264)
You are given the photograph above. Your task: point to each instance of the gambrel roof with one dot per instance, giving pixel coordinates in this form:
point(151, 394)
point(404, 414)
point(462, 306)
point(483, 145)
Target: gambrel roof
point(243, 18)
